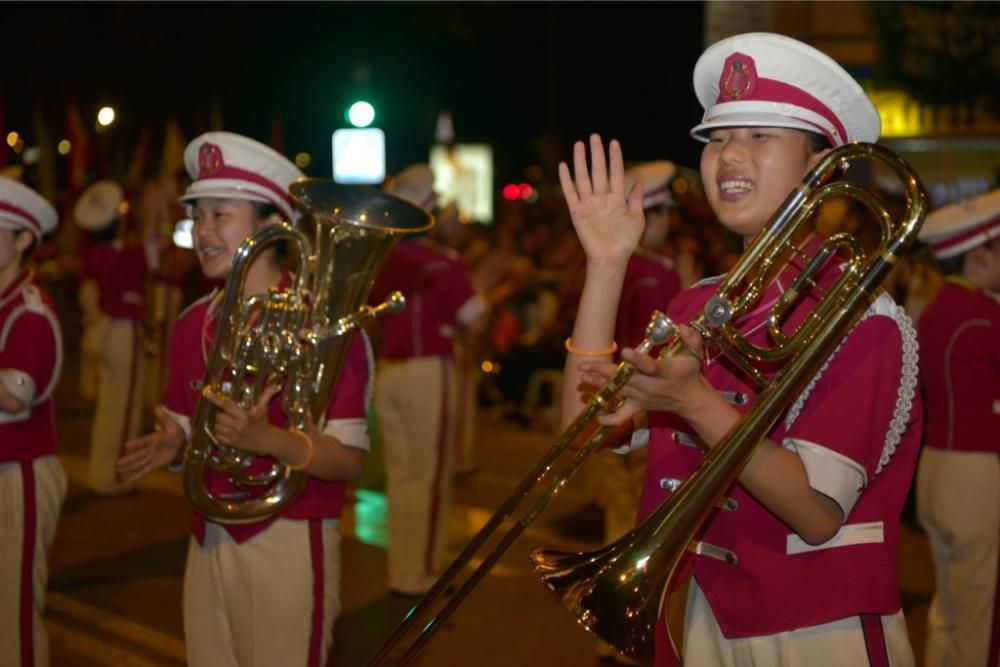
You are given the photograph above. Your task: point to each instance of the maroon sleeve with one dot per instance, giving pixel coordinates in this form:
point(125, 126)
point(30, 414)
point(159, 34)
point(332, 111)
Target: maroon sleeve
point(31, 348)
point(851, 406)
point(185, 343)
point(349, 399)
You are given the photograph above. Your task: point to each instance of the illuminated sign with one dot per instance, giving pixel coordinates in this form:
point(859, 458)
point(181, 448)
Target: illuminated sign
point(359, 156)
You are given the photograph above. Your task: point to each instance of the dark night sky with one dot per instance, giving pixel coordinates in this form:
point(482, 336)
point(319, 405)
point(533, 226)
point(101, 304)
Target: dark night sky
point(528, 77)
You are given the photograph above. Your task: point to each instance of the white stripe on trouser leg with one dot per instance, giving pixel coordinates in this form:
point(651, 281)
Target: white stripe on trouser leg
point(119, 391)
point(250, 604)
point(409, 398)
point(836, 644)
point(50, 491)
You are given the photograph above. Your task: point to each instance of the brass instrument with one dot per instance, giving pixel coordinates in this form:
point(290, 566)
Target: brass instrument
point(616, 592)
point(300, 335)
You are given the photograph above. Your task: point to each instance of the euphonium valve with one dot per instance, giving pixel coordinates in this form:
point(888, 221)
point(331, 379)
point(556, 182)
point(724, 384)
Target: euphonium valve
point(299, 336)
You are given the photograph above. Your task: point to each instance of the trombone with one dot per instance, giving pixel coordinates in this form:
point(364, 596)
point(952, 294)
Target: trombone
point(617, 591)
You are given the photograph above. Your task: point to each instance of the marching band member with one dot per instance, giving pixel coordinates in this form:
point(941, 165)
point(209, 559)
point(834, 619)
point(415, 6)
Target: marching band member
point(32, 482)
point(266, 592)
point(802, 568)
point(650, 283)
point(958, 479)
point(414, 393)
point(112, 302)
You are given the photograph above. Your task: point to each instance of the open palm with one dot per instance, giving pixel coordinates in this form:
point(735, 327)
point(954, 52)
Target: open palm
point(608, 225)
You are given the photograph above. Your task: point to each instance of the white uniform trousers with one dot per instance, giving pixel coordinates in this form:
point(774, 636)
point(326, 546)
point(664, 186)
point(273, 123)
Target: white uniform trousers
point(269, 601)
point(166, 301)
point(414, 399)
point(958, 504)
point(467, 377)
point(30, 493)
point(618, 480)
point(840, 643)
point(117, 416)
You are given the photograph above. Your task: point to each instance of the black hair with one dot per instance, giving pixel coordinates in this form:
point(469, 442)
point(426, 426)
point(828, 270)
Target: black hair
point(263, 211)
point(105, 235)
point(953, 266)
point(816, 142)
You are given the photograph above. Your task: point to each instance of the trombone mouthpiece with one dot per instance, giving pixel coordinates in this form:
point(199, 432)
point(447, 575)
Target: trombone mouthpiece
point(659, 329)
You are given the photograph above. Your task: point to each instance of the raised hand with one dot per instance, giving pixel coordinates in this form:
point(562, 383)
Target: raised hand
point(608, 225)
point(146, 453)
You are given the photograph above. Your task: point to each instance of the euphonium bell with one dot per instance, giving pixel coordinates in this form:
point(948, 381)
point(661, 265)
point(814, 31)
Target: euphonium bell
point(299, 336)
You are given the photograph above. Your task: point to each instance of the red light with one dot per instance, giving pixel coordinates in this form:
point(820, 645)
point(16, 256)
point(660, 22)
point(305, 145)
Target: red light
point(524, 191)
point(511, 192)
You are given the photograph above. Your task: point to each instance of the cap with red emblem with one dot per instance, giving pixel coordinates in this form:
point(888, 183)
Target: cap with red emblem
point(98, 206)
point(761, 79)
point(655, 178)
point(23, 208)
point(230, 166)
point(958, 228)
point(415, 184)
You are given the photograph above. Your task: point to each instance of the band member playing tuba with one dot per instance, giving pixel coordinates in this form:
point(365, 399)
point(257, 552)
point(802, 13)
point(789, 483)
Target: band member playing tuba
point(799, 568)
point(264, 592)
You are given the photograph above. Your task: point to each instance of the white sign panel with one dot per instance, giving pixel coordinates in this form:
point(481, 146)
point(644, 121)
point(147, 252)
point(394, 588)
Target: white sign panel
point(463, 174)
point(359, 156)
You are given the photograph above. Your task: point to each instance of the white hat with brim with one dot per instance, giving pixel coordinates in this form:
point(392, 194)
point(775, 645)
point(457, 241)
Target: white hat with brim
point(767, 80)
point(655, 178)
point(415, 184)
point(230, 166)
point(98, 206)
point(23, 208)
point(958, 228)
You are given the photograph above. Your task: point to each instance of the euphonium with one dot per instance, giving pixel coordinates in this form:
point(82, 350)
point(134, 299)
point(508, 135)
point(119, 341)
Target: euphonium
point(299, 336)
point(616, 592)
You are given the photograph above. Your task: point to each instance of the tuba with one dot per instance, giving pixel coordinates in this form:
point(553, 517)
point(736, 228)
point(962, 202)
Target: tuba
point(299, 336)
point(616, 592)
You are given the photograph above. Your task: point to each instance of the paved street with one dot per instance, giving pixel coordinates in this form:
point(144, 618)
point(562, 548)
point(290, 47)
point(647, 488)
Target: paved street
point(116, 568)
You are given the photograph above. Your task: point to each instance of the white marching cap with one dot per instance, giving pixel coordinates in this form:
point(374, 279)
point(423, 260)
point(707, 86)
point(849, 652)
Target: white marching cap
point(415, 184)
point(23, 208)
point(761, 79)
point(655, 178)
point(230, 166)
point(960, 227)
point(99, 206)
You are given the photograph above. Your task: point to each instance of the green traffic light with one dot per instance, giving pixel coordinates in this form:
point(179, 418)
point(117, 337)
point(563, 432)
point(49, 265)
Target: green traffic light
point(361, 114)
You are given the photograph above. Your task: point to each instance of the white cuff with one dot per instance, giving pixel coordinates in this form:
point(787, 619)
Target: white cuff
point(18, 384)
point(182, 420)
point(830, 473)
point(639, 439)
point(350, 432)
point(471, 311)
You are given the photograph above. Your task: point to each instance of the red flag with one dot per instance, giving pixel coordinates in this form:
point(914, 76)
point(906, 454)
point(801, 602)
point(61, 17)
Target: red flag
point(79, 154)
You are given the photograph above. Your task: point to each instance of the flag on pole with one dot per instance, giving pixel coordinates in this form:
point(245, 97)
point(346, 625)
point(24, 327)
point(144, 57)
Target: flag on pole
point(79, 152)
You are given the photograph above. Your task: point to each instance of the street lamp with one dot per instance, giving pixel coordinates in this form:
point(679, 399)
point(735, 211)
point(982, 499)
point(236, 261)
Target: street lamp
point(105, 116)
